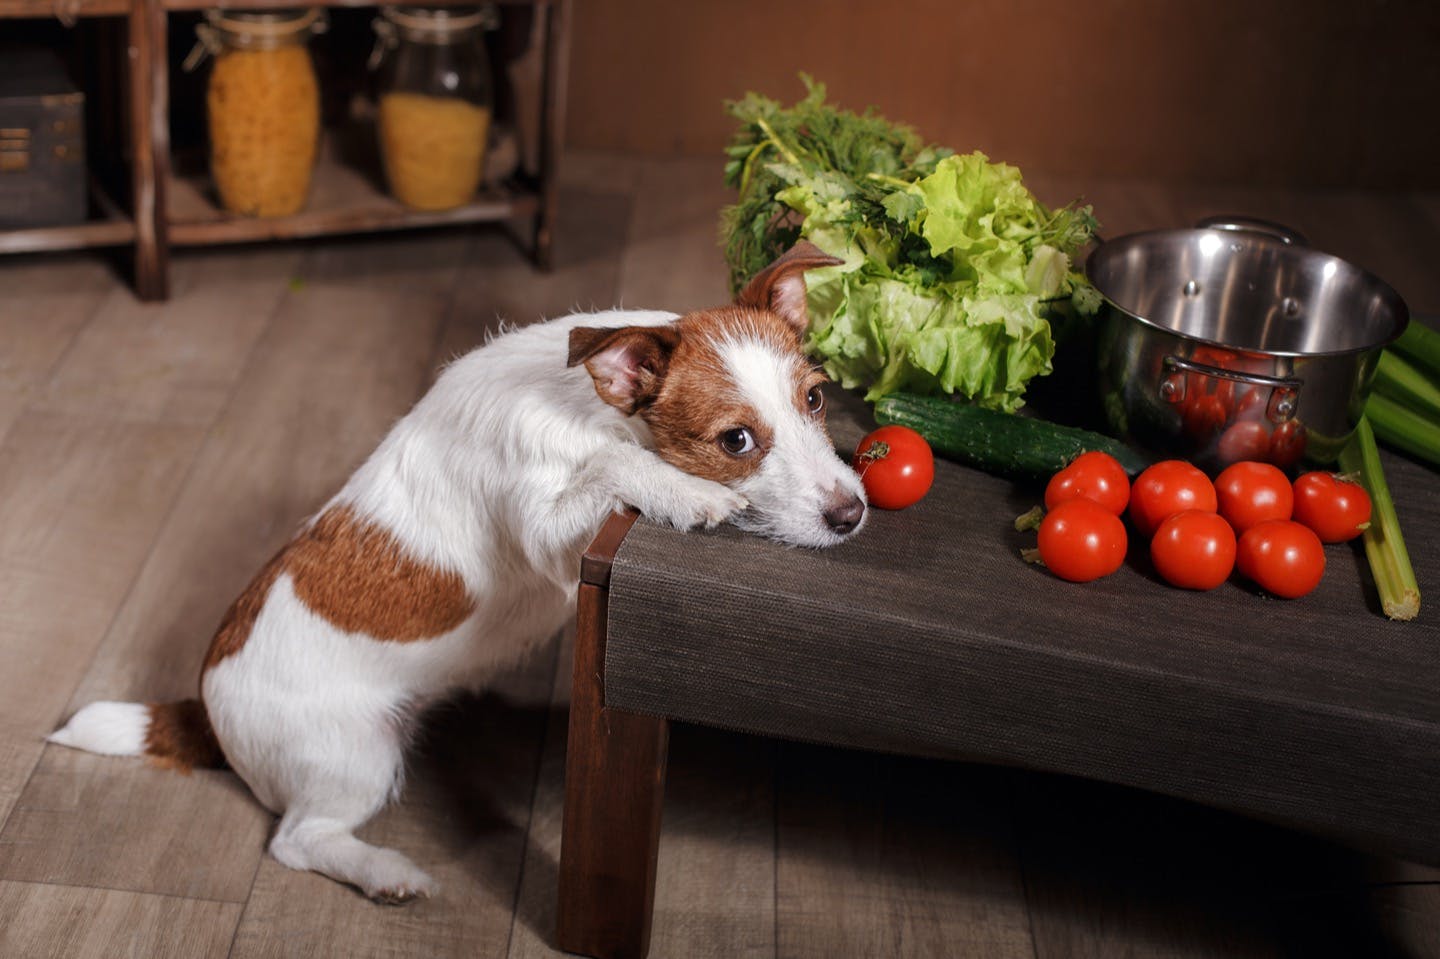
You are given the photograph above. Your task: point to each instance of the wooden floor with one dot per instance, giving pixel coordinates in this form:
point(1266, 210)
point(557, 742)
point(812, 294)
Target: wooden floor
point(152, 456)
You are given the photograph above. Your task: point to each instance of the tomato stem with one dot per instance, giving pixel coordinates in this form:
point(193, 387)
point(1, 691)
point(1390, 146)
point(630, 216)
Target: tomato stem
point(877, 450)
point(1032, 556)
point(1030, 519)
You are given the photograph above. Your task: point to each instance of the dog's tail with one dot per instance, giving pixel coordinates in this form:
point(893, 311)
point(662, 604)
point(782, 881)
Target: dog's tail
point(173, 735)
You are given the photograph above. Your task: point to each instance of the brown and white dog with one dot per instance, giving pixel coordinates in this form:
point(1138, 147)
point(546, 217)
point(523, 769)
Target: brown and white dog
point(453, 548)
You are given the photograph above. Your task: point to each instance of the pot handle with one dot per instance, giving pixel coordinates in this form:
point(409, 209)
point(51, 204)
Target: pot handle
point(1284, 396)
point(1252, 224)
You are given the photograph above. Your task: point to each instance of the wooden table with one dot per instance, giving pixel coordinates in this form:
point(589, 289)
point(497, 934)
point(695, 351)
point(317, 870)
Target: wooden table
point(928, 635)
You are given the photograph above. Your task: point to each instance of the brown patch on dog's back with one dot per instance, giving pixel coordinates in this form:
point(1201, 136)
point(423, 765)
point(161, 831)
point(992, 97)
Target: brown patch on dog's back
point(355, 575)
point(240, 617)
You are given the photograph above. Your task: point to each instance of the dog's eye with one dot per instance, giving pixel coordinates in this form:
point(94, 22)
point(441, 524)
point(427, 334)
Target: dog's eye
point(815, 399)
point(737, 442)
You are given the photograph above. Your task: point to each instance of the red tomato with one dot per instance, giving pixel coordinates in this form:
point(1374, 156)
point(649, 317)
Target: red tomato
point(1246, 440)
point(1335, 509)
point(1167, 488)
point(1081, 540)
point(1194, 549)
point(896, 466)
point(1282, 557)
point(1093, 475)
point(1251, 493)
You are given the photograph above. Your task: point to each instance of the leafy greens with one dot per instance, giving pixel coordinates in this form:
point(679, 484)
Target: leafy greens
point(953, 270)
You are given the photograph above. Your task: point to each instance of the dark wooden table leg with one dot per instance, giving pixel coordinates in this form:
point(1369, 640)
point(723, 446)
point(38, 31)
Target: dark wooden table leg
point(614, 790)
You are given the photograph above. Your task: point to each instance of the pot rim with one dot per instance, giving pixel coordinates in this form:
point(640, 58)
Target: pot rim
point(1399, 308)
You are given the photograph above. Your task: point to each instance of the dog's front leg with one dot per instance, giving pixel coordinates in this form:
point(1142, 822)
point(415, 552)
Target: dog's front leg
point(630, 475)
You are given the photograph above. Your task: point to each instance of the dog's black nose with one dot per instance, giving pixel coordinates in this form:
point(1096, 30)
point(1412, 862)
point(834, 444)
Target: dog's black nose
point(846, 516)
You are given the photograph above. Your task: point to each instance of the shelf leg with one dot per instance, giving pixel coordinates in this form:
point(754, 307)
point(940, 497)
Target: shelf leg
point(150, 146)
point(552, 126)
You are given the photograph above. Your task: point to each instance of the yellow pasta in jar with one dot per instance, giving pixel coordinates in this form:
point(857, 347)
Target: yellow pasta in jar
point(264, 112)
point(434, 148)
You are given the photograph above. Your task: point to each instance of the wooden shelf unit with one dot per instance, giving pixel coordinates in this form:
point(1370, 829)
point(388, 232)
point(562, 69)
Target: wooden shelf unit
point(170, 209)
point(111, 225)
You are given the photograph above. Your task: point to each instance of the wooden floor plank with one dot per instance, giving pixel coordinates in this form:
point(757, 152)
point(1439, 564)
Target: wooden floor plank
point(123, 824)
point(426, 262)
point(673, 259)
point(335, 370)
point(46, 303)
point(533, 925)
point(884, 856)
point(175, 361)
point(715, 879)
point(500, 285)
point(81, 501)
point(600, 171)
point(40, 921)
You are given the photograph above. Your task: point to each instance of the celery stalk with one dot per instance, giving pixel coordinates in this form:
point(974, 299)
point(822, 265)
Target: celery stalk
point(1402, 382)
point(1384, 546)
point(1421, 346)
point(1404, 429)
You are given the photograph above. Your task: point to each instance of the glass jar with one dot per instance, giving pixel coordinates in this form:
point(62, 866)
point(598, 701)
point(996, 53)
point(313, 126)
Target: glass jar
point(435, 99)
point(262, 107)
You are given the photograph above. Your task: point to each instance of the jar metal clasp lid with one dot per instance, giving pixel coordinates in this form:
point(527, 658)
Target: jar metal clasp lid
point(431, 23)
point(257, 29)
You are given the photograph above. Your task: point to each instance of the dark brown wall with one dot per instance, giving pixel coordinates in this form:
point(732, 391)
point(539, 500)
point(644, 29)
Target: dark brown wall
point(1333, 92)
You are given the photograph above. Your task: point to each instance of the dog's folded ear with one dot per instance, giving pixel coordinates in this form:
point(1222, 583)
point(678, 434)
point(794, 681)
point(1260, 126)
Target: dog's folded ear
point(780, 287)
point(628, 365)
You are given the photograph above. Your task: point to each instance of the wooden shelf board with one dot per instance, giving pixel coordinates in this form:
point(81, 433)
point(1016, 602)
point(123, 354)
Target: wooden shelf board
point(110, 227)
point(48, 9)
point(342, 200)
point(74, 237)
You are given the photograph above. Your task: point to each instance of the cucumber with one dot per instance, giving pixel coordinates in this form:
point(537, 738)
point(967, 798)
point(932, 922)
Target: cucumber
point(1003, 443)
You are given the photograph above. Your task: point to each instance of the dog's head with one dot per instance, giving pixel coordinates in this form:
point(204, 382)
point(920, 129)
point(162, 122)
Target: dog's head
point(729, 395)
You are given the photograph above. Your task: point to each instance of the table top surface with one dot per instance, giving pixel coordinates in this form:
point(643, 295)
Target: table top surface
point(951, 565)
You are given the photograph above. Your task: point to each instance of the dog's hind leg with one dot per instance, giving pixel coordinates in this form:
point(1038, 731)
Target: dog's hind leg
point(327, 845)
point(317, 833)
point(327, 802)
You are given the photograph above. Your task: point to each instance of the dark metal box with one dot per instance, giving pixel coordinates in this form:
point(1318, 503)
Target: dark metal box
point(42, 142)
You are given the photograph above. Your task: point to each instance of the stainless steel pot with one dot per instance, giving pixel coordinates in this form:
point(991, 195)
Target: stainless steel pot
point(1235, 340)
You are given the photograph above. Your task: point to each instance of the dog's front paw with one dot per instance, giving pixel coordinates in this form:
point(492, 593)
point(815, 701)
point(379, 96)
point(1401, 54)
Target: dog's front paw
point(725, 504)
point(698, 503)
